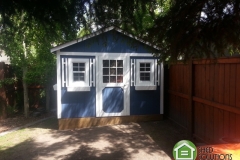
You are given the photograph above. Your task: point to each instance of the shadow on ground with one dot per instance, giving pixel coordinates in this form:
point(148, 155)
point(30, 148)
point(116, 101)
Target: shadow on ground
point(149, 140)
point(165, 134)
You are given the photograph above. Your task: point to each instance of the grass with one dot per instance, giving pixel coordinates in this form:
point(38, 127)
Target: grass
point(26, 134)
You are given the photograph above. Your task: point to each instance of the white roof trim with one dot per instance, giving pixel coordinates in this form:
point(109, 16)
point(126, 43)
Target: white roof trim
point(98, 33)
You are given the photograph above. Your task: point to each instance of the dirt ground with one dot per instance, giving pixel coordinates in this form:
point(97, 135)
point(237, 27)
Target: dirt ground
point(146, 141)
point(19, 120)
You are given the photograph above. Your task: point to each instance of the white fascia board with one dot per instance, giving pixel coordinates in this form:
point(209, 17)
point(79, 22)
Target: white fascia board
point(63, 46)
point(98, 33)
point(106, 54)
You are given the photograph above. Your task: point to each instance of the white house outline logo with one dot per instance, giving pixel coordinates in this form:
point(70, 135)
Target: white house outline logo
point(184, 150)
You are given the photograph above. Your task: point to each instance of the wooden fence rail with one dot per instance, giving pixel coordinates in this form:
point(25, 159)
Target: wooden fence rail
point(204, 98)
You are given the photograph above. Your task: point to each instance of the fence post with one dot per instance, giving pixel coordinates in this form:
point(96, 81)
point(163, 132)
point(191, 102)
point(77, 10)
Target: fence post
point(190, 100)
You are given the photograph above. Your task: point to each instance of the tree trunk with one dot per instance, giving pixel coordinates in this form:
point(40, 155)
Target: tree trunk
point(25, 85)
point(48, 97)
point(25, 93)
point(3, 105)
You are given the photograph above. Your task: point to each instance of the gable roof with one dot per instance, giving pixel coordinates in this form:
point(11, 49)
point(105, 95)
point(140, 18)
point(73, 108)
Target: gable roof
point(101, 31)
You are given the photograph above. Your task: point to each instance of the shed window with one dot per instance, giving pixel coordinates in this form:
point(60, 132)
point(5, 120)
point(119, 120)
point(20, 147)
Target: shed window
point(78, 71)
point(145, 74)
point(145, 71)
point(78, 74)
point(112, 71)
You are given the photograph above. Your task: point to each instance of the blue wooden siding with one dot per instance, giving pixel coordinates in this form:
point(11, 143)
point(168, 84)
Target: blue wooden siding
point(83, 104)
point(144, 102)
point(78, 104)
point(112, 99)
point(112, 42)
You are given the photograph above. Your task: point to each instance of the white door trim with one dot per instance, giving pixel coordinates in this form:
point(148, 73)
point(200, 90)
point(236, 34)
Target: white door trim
point(125, 85)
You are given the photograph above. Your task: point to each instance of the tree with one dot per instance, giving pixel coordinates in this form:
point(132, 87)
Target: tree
point(28, 29)
point(28, 44)
point(17, 42)
point(182, 29)
point(134, 16)
point(208, 28)
point(199, 29)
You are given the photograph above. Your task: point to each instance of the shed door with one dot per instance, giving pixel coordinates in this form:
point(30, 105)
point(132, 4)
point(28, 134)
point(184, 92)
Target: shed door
point(113, 86)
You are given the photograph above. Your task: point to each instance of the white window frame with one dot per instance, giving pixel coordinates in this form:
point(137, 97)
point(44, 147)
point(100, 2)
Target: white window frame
point(77, 85)
point(145, 85)
point(145, 71)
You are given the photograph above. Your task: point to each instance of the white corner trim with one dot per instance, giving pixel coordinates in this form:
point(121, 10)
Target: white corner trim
point(62, 71)
point(59, 104)
point(162, 89)
point(94, 72)
point(155, 73)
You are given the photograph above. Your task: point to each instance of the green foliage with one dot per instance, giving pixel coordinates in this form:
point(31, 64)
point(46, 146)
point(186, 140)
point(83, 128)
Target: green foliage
point(180, 29)
point(28, 42)
point(11, 110)
point(7, 81)
point(134, 16)
point(19, 100)
point(83, 32)
point(199, 29)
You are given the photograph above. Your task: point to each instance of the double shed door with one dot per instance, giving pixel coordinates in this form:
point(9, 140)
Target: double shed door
point(113, 86)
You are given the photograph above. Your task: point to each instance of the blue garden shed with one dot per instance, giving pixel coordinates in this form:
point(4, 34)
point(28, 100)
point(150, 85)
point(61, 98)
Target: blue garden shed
point(108, 77)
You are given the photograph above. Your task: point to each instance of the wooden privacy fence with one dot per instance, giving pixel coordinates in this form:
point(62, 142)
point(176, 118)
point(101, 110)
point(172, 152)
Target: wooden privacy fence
point(4, 96)
point(11, 96)
point(204, 97)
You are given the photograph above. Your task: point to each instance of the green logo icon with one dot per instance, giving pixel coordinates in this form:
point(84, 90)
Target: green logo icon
point(184, 150)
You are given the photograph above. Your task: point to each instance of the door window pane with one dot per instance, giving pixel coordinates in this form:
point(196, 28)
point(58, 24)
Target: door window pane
point(105, 71)
point(105, 79)
point(119, 63)
point(112, 63)
point(112, 71)
point(112, 79)
point(105, 63)
point(119, 79)
point(119, 71)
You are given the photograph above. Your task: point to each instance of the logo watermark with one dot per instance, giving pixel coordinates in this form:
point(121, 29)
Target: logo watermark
point(207, 153)
point(184, 150)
